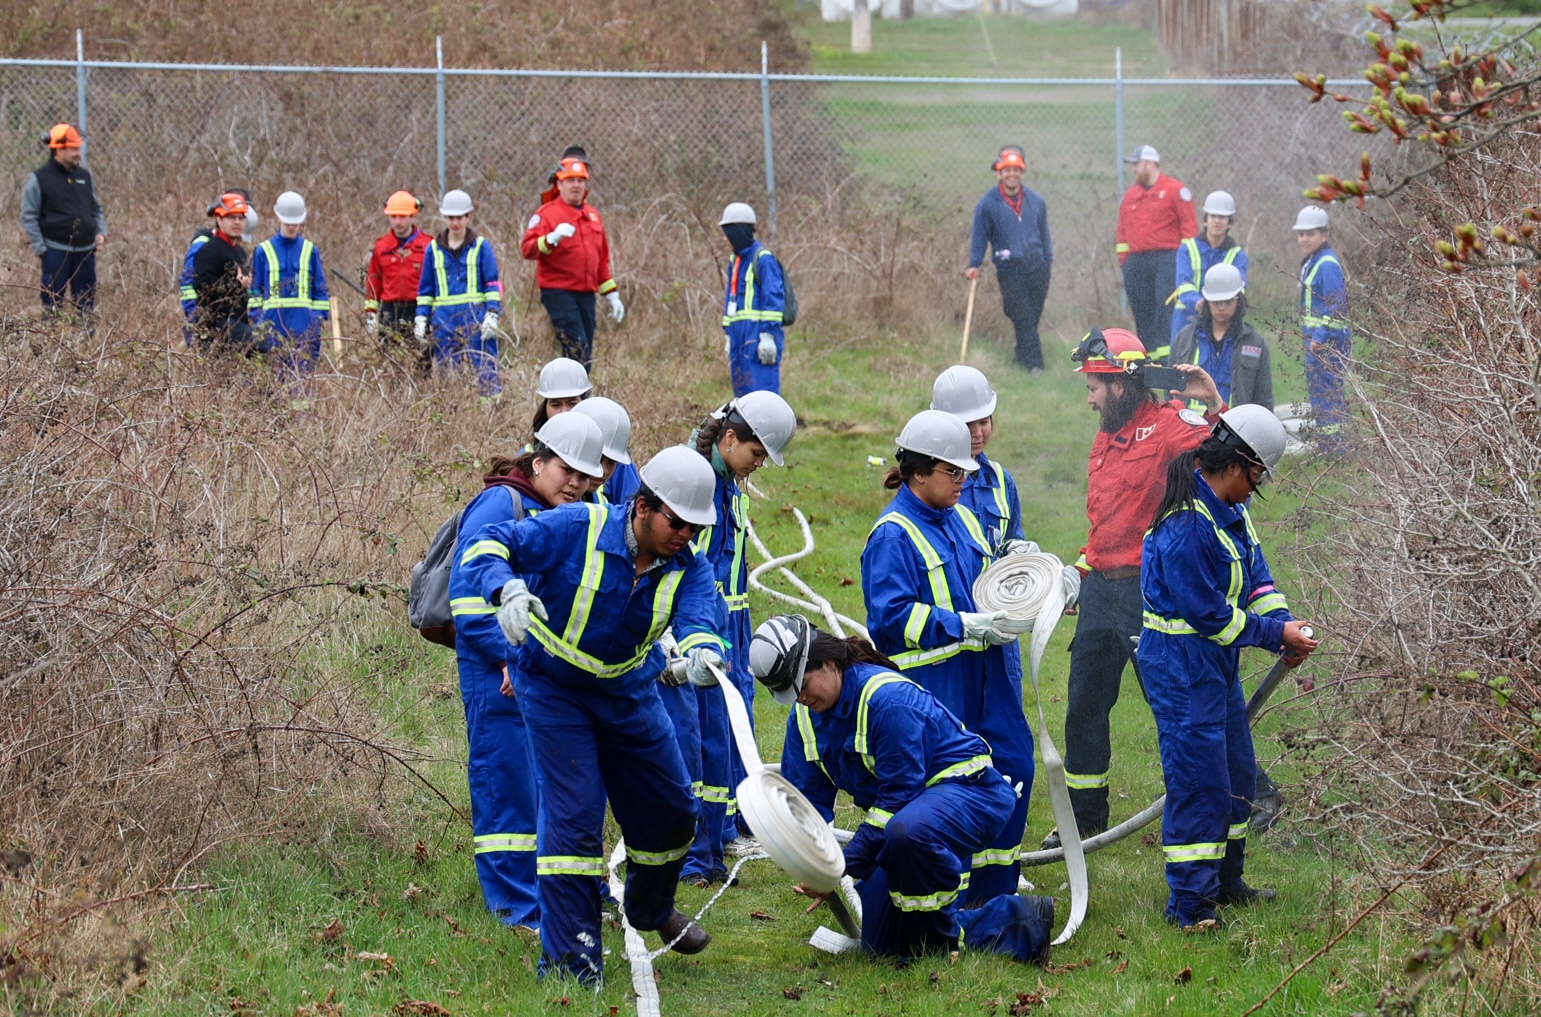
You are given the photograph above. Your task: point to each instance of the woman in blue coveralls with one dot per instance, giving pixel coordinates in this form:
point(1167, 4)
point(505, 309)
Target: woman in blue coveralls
point(289, 298)
point(918, 572)
point(931, 796)
point(554, 472)
point(585, 592)
point(1208, 592)
point(461, 297)
point(736, 440)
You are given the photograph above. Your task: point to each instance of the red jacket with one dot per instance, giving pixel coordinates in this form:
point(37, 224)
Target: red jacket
point(1127, 477)
point(581, 262)
point(1155, 218)
point(395, 268)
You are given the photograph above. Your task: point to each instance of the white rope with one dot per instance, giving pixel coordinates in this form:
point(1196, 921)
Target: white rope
point(1030, 589)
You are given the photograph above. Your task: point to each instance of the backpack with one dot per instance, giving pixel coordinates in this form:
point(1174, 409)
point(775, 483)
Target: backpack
point(789, 309)
point(428, 602)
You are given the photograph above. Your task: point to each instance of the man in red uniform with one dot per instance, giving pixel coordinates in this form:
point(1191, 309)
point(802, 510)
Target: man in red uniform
point(566, 240)
point(1137, 438)
point(1156, 216)
point(395, 267)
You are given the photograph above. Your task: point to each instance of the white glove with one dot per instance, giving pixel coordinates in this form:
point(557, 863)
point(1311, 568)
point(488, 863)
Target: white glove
point(516, 606)
point(985, 625)
point(561, 233)
point(617, 309)
point(419, 327)
point(1015, 546)
point(696, 669)
point(1072, 585)
point(371, 323)
point(489, 326)
point(766, 351)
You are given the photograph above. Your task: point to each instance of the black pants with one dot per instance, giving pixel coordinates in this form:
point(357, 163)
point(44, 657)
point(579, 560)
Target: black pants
point(1110, 612)
point(572, 315)
point(396, 318)
point(1022, 297)
point(1149, 278)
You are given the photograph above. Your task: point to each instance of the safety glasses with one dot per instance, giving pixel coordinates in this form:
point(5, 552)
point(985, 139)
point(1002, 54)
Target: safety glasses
point(1093, 345)
point(676, 523)
point(957, 473)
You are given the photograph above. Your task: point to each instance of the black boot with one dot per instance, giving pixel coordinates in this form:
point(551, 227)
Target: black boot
point(694, 940)
point(1239, 894)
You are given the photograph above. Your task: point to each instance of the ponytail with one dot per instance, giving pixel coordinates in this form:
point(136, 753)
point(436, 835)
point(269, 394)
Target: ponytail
point(713, 427)
point(827, 649)
point(911, 465)
point(707, 434)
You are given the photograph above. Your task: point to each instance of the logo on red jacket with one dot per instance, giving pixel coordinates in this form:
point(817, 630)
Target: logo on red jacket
point(1141, 433)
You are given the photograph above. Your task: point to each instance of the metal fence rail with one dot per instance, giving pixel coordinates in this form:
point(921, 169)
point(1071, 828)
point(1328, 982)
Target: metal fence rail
point(166, 137)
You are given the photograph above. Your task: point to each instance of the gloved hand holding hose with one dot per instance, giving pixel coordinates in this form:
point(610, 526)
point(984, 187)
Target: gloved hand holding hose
point(516, 606)
point(698, 665)
point(986, 625)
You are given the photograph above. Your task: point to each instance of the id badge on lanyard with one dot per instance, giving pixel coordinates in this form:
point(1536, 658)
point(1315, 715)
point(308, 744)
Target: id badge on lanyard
point(733, 287)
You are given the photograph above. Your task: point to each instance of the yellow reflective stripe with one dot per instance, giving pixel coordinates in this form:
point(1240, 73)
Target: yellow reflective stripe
point(862, 741)
point(921, 658)
point(470, 605)
point(541, 245)
point(588, 582)
point(713, 793)
point(489, 842)
point(941, 596)
point(555, 646)
point(878, 818)
point(737, 601)
point(1171, 626)
point(917, 622)
point(1195, 260)
point(663, 608)
point(607, 286)
point(971, 523)
point(1238, 831)
point(1002, 502)
point(482, 547)
point(657, 857)
point(371, 305)
point(1121, 248)
point(810, 738)
point(931, 902)
point(441, 273)
point(1238, 622)
point(1268, 602)
point(1311, 276)
point(1317, 320)
point(271, 254)
point(569, 865)
point(995, 856)
point(1194, 852)
point(697, 788)
point(696, 639)
point(963, 769)
point(1231, 255)
point(1086, 780)
point(188, 293)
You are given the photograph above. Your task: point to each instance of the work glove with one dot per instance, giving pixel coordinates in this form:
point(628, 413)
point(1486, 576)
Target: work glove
point(1072, 585)
point(767, 349)
point(696, 669)
point(561, 233)
point(1014, 546)
point(673, 673)
point(419, 328)
point(986, 625)
point(490, 326)
point(371, 324)
point(617, 309)
point(516, 606)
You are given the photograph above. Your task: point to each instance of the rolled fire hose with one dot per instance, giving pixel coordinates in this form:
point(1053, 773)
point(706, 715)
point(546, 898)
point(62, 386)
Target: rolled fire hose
point(1030, 588)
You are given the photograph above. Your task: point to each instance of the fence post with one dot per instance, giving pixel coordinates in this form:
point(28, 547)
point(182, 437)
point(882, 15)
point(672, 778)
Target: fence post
point(80, 90)
point(1118, 131)
point(770, 146)
point(438, 45)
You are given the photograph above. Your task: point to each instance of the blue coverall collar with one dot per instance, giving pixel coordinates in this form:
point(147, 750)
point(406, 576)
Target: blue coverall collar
point(984, 475)
point(850, 692)
point(913, 506)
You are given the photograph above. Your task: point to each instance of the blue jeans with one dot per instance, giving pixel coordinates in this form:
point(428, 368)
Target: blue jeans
point(74, 271)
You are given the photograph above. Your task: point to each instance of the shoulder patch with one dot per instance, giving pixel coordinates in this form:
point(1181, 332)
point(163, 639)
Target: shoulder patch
point(534, 221)
point(1185, 194)
point(1141, 433)
point(1192, 417)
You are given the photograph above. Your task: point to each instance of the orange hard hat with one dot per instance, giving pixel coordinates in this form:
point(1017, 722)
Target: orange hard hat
point(1010, 157)
point(229, 203)
point(403, 203)
point(64, 136)
point(1108, 351)
point(572, 168)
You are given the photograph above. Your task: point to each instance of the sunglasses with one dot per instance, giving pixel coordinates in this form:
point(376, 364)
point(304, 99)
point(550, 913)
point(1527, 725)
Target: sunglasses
point(676, 523)
point(955, 472)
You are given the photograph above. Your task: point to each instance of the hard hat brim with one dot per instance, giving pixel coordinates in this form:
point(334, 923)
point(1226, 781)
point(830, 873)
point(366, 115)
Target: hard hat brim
point(1222, 294)
point(703, 518)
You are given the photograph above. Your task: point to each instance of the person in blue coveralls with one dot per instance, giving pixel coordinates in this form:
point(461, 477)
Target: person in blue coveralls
point(620, 481)
point(990, 492)
point(918, 573)
point(585, 592)
point(1208, 592)
point(461, 296)
point(737, 440)
point(754, 306)
point(1324, 325)
point(289, 298)
point(930, 793)
point(556, 471)
point(1013, 221)
point(1197, 255)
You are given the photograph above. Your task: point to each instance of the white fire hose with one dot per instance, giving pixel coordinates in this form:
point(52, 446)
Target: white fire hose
point(816, 604)
point(1030, 589)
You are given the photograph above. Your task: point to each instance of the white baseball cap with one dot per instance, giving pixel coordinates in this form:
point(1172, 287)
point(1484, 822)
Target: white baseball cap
point(1144, 153)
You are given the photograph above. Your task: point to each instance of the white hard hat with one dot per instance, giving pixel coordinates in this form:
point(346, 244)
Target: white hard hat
point(456, 202)
point(290, 208)
point(778, 655)
point(685, 481)
point(614, 423)
point(577, 440)
point(1222, 282)
point(563, 379)
point(964, 392)
point(737, 211)
point(941, 436)
point(1219, 203)
point(1311, 217)
point(1255, 431)
point(771, 419)
point(1144, 153)
point(251, 218)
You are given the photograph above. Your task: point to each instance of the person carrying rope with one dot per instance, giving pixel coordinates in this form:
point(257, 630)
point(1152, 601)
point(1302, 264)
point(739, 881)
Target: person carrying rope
point(931, 796)
point(1208, 592)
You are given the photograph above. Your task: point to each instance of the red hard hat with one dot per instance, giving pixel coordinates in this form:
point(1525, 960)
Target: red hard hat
point(64, 136)
point(1010, 157)
point(1108, 351)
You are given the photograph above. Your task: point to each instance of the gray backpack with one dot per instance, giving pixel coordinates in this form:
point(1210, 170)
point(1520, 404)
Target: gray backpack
point(428, 602)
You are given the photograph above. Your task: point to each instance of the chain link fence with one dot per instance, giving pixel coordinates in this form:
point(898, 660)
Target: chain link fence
point(165, 139)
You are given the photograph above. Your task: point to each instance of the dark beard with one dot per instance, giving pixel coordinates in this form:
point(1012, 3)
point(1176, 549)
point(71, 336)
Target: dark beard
point(1122, 408)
